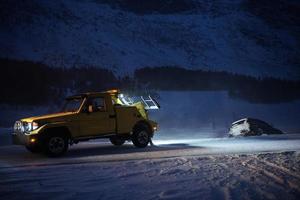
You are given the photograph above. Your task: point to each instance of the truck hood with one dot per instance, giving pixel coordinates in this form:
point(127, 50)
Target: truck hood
point(49, 117)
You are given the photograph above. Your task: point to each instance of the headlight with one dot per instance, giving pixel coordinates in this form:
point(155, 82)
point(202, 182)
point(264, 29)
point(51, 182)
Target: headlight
point(34, 125)
point(18, 127)
point(23, 127)
point(26, 126)
point(30, 126)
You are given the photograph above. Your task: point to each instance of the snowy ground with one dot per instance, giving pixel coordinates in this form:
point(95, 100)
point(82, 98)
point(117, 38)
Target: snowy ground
point(193, 157)
point(264, 167)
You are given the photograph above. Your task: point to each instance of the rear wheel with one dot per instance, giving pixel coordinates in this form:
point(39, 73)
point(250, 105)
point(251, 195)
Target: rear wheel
point(55, 145)
point(141, 136)
point(117, 141)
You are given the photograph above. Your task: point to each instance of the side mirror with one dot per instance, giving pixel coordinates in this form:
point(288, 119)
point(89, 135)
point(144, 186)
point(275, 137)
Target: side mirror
point(90, 109)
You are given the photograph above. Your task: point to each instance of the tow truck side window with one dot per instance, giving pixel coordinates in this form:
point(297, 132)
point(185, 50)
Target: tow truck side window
point(97, 104)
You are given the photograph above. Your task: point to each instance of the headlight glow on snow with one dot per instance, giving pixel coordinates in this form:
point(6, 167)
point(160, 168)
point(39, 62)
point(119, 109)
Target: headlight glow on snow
point(173, 142)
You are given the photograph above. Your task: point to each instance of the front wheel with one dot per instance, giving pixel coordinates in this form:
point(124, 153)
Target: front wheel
point(55, 145)
point(141, 136)
point(117, 141)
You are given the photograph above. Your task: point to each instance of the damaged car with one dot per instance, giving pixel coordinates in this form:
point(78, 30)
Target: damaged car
point(251, 127)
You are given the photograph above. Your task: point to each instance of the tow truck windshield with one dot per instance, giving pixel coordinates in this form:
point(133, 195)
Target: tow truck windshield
point(72, 105)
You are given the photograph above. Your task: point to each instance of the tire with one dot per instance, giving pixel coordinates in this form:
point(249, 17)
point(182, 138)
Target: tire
point(56, 145)
point(141, 136)
point(33, 148)
point(117, 141)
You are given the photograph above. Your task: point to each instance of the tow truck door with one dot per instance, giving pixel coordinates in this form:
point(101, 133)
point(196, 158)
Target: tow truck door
point(97, 118)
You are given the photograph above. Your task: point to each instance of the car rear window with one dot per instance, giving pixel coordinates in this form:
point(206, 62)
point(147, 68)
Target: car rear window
point(238, 122)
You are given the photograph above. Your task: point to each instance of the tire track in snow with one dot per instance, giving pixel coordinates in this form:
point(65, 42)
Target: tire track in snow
point(280, 180)
point(292, 183)
point(296, 176)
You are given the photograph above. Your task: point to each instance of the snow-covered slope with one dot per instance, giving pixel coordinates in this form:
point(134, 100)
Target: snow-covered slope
point(239, 36)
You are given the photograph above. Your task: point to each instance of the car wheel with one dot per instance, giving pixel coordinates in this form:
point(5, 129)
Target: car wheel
point(117, 141)
point(55, 145)
point(141, 136)
point(33, 148)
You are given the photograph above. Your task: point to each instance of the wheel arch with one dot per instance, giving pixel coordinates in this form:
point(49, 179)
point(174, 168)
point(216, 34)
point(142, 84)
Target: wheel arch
point(143, 123)
point(64, 130)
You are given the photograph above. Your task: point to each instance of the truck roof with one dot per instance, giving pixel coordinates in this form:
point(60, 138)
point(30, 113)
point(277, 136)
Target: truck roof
point(87, 94)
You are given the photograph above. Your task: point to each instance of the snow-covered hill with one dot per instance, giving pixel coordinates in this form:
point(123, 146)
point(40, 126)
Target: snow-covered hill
point(259, 38)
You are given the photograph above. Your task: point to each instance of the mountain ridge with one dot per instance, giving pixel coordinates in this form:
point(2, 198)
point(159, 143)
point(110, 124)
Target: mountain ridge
point(243, 37)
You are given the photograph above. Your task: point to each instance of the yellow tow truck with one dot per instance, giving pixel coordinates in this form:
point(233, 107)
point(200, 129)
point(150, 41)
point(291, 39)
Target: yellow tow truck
point(87, 116)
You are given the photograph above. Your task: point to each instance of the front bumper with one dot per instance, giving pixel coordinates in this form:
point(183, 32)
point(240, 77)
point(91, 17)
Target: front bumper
point(23, 139)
